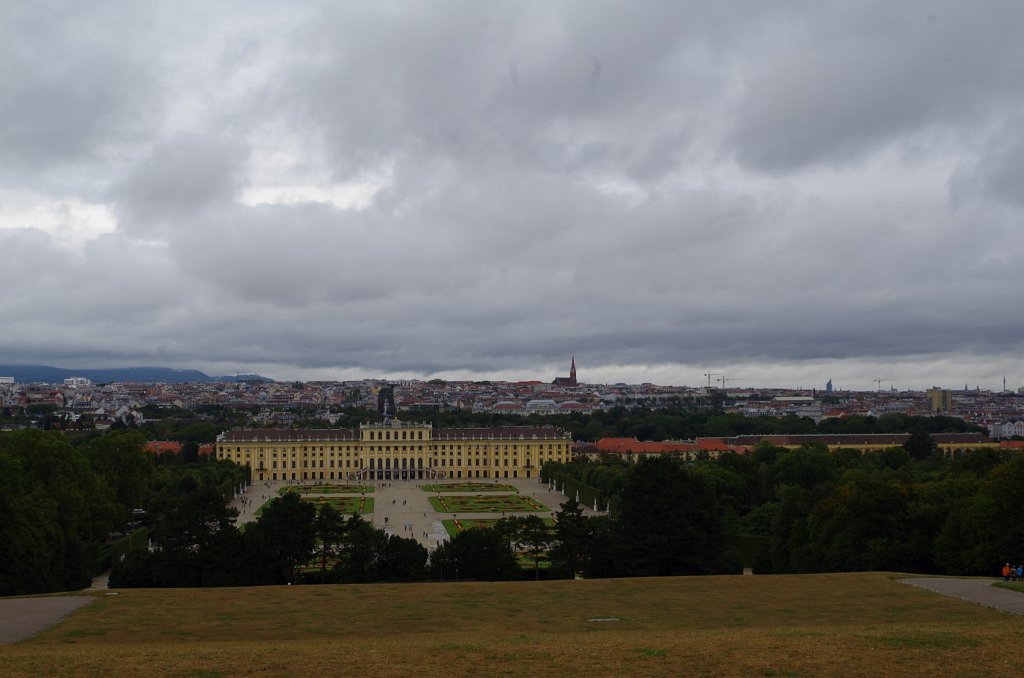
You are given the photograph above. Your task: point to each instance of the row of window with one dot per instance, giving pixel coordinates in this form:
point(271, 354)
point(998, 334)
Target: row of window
point(387, 435)
point(386, 463)
point(380, 474)
point(353, 448)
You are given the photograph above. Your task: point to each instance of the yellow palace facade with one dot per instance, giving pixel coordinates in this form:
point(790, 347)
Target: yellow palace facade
point(395, 450)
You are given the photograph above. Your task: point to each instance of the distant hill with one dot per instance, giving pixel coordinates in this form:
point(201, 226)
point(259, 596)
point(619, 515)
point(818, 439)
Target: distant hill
point(24, 374)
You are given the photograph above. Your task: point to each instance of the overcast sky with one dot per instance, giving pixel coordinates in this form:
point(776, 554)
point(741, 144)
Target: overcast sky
point(780, 192)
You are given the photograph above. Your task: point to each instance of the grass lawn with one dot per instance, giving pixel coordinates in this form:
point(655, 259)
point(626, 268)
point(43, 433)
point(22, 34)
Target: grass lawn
point(1011, 585)
point(263, 507)
point(806, 625)
point(453, 527)
point(327, 489)
point(443, 488)
point(486, 504)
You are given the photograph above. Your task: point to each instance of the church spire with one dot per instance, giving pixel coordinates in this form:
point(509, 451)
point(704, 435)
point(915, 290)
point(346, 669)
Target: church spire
point(572, 370)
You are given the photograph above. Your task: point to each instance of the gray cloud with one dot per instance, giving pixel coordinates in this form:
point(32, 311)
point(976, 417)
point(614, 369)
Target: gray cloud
point(733, 185)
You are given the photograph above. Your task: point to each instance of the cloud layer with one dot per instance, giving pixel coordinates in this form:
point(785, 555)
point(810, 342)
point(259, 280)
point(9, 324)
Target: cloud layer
point(458, 188)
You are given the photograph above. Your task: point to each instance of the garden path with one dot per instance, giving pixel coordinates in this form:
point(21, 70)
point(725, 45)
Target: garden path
point(974, 590)
point(22, 618)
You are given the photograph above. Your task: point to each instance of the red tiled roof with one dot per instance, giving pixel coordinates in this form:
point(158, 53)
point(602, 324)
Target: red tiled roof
point(161, 446)
point(627, 445)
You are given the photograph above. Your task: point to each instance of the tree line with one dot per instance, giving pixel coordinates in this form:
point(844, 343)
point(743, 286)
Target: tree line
point(778, 510)
point(63, 503)
point(195, 543)
point(676, 421)
point(811, 510)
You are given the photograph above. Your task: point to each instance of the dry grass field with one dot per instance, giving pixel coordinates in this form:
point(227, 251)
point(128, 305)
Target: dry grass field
point(814, 625)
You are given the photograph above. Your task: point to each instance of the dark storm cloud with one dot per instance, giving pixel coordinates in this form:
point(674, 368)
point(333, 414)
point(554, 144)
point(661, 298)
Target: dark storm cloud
point(75, 80)
point(177, 181)
point(656, 183)
point(847, 78)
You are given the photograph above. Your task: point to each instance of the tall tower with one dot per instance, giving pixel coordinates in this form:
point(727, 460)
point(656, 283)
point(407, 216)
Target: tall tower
point(572, 371)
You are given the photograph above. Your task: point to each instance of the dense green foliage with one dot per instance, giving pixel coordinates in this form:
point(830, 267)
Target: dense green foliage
point(676, 421)
point(802, 510)
point(275, 549)
point(65, 507)
point(59, 503)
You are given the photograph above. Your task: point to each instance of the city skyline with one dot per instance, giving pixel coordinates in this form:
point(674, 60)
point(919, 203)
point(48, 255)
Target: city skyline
point(783, 195)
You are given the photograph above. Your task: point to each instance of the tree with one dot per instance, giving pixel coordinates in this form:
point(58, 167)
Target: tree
point(920, 445)
point(57, 509)
point(329, 533)
point(403, 559)
point(284, 536)
point(122, 461)
point(361, 552)
point(863, 525)
point(669, 521)
point(480, 553)
point(571, 539)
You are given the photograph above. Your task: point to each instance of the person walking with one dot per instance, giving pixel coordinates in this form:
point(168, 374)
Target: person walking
point(1006, 572)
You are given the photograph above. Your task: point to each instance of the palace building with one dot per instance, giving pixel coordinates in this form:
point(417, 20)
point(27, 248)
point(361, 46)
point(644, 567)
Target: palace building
point(395, 450)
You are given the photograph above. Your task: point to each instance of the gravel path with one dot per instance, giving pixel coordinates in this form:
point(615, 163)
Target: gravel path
point(22, 618)
point(979, 590)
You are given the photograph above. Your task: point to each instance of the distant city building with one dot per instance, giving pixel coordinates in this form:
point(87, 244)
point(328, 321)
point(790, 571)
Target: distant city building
point(1007, 430)
point(395, 450)
point(941, 400)
point(77, 382)
point(6, 380)
point(828, 386)
point(571, 379)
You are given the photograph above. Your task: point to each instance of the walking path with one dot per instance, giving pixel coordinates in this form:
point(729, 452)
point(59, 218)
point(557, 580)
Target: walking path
point(22, 618)
point(100, 582)
point(402, 508)
point(977, 590)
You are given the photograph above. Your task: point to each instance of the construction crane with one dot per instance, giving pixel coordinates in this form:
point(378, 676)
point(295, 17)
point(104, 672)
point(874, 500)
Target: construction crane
point(880, 381)
point(710, 374)
point(721, 378)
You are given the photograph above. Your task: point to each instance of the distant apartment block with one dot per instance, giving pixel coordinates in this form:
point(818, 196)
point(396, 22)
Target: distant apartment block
point(941, 400)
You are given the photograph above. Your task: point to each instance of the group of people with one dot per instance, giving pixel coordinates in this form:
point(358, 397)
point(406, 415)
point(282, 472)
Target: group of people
point(1013, 572)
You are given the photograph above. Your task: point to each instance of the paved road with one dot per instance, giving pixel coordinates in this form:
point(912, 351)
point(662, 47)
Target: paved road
point(977, 590)
point(22, 618)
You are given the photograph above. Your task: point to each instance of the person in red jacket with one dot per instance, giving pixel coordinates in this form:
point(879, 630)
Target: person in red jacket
point(1006, 572)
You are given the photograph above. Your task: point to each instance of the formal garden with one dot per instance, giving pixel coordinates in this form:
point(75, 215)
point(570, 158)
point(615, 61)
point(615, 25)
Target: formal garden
point(447, 488)
point(486, 504)
point(344, 505)
point(456, 525)
point(327, 489)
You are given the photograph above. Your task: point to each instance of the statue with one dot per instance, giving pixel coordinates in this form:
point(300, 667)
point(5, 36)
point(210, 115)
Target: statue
point(386, 403)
